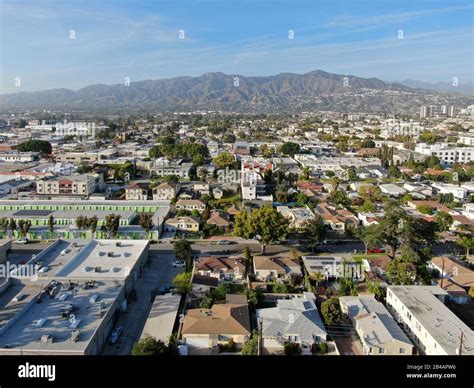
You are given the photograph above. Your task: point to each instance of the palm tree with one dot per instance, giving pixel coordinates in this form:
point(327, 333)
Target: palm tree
point(466, 242)
point(318, 276)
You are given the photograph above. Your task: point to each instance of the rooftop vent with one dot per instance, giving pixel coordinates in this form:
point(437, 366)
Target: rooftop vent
point(47, 339)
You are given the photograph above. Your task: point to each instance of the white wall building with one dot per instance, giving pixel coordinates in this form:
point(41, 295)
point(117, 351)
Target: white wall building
point(433, 327)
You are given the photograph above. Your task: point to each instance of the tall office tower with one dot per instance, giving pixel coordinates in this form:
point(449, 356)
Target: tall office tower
point(451, 111)
point(424, 112)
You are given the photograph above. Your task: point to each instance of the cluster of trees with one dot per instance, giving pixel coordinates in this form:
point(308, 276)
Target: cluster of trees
point(23, 226)
point(83, 222)
point(6, 224)
point(170, 149)
point(42, 146)
point(150, 346)
point(146, 222)
point(411, 236)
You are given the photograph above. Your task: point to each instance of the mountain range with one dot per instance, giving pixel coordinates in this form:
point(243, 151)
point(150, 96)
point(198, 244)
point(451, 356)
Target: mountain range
point(285, 92)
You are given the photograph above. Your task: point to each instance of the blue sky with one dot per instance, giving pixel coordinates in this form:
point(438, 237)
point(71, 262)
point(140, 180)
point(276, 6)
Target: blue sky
point(140, 40)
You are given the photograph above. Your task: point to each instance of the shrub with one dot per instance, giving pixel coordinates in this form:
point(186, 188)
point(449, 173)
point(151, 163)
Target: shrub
point(323, 348)
point(280, 288)
point(292, 348)
point(315, 349)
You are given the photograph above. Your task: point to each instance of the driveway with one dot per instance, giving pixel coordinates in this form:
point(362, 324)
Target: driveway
point(159, 273)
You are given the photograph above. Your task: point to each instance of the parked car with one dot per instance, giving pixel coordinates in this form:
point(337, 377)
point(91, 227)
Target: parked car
point(21, 241)
point(224, 242)
point(116, 333)
point(179, 264)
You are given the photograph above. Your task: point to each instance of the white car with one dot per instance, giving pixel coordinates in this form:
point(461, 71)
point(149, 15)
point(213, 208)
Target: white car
point(21, 241)
point(179, 264)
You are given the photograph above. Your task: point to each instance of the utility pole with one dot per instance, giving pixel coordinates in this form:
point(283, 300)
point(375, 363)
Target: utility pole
point(461, 343)
point(442, 274)
point(260, 339)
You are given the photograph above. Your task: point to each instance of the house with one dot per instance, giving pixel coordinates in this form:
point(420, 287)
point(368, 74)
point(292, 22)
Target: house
point(453, 278)
point(432, 326)
point(333, 267)
point(220, 219)
point(336, 219)
point(392, 190)
point(218, 193)
point(202, 188)
point(310, 189)
point(203, 284)
point(268, 268)
point(204, 329)
point(295, 320)
point(181, 224)
point(298, 217)
point(377, 330)
point(221, 268)
point(379, 265)
point(136, 192)
point(190, 205)
point(165, 191)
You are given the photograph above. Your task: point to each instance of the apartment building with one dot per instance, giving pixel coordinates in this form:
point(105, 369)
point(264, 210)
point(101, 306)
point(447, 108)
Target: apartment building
point(446, 154)
point(72, 185)
point(377, 330)
point(428, 322)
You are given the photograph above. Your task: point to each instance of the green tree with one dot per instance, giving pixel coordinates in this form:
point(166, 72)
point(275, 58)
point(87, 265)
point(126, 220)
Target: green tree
point(401, 273)
point(12, 224)
point(466, 242)
point(250, 348)
point(182, 282)
point(183, 251)
point(112, 223)
point(92, 223)
point(80, 222)
point(225, 159)
point(42, 146)
point(146, 222)
point(24, 226)
point(51, 223)
point(280, 288)
point(315, 232)
point(150, 346)
point(331, 311)
point(290, 148)
point(443, 221)
point(264, 224)
point(4, 224)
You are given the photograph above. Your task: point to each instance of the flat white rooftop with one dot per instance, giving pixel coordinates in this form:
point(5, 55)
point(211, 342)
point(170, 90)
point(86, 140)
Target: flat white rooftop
point(26, 330)
point(162, 317)
point(435, 316)
point(103, 259)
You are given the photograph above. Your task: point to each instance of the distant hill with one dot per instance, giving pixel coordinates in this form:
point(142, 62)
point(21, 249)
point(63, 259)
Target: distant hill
point(462, 88)
point(284, 92)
